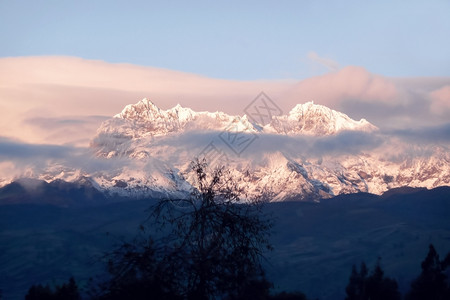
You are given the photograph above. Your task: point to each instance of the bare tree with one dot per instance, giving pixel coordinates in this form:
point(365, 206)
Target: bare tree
point(210, 245)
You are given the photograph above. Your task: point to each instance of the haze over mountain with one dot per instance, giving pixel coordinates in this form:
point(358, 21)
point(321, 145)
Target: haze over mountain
point(310, 153)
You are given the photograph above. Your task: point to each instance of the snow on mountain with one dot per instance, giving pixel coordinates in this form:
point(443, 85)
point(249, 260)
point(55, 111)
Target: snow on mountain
point(165, 141)
point(313, 119)
point(145, 118)
point(313, 152)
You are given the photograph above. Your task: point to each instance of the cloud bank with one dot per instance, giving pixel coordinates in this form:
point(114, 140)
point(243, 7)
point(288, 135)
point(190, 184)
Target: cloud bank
point(19, 159)
point(63, 100)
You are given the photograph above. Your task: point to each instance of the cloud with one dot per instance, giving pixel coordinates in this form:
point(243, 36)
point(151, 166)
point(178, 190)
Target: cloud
point(50, 100)
point(348, 83)
point(330, 64)
point(386, 102)
point(441, 101)
point(387, 143)
point(15, 150)
point(346, 143)
point(435, 135)
point(18, 159)
point(343, 143)
point(62, 87)
point(80, 129)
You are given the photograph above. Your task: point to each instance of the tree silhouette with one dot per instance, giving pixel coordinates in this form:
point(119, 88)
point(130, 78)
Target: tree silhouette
point(288, 296)
point(211, 244)
point(137, 272)
point(66, 291)
point(356, 288)
point(373, 287)
point(380, 287)
point(432, 282)
point(37, 292)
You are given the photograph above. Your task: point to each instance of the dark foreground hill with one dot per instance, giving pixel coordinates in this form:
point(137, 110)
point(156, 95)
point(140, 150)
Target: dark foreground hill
point(57, 192)
point(315, 244)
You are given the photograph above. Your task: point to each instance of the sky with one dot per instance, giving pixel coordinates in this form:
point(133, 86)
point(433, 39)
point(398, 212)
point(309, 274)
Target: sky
point(66, 66)
point(240, 40)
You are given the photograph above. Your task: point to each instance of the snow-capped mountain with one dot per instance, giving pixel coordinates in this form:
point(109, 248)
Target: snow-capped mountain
point(294, 156)
point(312, 152)
point(313, 119)
point(145, 120)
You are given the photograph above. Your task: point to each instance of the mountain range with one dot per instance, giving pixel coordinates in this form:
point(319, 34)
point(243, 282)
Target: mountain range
point(310, 153)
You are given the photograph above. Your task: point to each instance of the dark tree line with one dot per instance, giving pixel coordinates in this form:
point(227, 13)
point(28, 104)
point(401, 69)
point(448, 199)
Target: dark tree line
point(431, 284)
point(375, 286)
point(66, 291)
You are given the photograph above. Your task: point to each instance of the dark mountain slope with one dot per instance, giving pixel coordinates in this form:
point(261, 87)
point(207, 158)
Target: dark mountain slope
point(315, 243)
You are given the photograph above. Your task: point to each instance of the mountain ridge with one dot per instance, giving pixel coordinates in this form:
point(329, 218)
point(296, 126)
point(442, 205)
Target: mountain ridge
point(311, 153)
point(309, 115)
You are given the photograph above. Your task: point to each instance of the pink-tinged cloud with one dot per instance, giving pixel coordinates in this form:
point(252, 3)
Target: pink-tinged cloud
point(106, 85)
point(71, 88)
point(354, 83)
point(326, 62)
point(441, 101)
point(58, 100)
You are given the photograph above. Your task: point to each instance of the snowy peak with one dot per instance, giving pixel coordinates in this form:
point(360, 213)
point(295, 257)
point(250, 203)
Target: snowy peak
point(308, 118)
point(310, 109)
point(143, 110)
point(181, 113)
point(300, 108)
point(144, 121)
point(314, 119)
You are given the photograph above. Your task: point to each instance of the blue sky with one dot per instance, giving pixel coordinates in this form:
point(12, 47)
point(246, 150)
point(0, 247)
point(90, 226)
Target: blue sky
point(243, 40)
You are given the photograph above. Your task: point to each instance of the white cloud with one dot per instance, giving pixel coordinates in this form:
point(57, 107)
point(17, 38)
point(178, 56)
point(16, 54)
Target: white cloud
point(330, 64)
point(64, 87)
point(441, 101)
point(51, 100)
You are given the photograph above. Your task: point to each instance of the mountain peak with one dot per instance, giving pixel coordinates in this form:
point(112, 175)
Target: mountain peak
point(307, 106)
point(316, 119)
point(183, 114)
point(144, 109)
point(145, 118)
